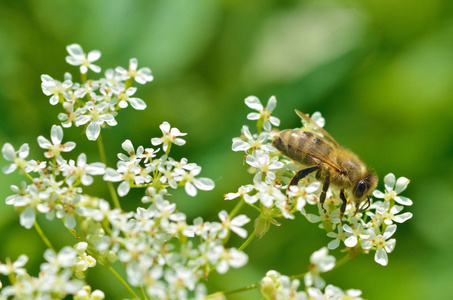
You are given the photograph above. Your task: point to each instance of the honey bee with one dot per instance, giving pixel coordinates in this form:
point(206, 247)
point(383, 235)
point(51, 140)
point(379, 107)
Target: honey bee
point(320, 153)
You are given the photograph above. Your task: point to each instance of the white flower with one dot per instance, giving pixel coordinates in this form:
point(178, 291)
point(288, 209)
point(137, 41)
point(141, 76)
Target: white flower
point(56, 261)
point(54, 87)
point(244, 189)
point(55, 147)
point(153, 196)
point(14, 267)
point(88, 88)
point(264, 165)
point(354, 234)
point(266, 193)
point(234, 224)
point(280, 287)
point(34, 199)
point(381, 242)
point(85, 294)
point(97, 116)
point(264, 113)
point(332, 217)
point(82, 171)
point(335, 293)
point(181, 277)
point(320, 262)
point(170, 136)
point(250, 142)
point(315, 294)
point(303, 194)
point(192, 184)
point(35, 166)
point(69, 117)
point(18, 158)
point(228, 258)
point(339, 236)
point(142, 75)
point(79, 58)
point(391, 214)
point(134, 156)
point(124, 98)
point(392, 189)
point(126, 173)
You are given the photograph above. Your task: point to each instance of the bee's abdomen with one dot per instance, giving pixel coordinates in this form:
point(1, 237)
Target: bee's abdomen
point(298, 144)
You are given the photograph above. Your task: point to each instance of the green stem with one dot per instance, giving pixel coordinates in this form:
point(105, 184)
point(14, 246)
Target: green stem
point(129, 82)
point(247, 288)
point(247, 242)
point(28, 176)
point(112, 270)
point(83, 77)
point(342, 261)
point(237, 208)
point(43, 236)
point(112, 191)
point(168, 149)
point(142, 290)
point(297, 276)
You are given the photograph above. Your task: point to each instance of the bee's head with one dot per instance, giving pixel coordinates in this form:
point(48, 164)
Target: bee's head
point(365, 186)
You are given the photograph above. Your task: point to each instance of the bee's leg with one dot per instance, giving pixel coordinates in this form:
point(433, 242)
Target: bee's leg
point(367, 204)
point(325, 187)
point(301, 174)
point(343, 205)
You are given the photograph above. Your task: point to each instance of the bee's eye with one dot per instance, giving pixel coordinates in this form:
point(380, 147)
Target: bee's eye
point(361, 186)
point(360, 189)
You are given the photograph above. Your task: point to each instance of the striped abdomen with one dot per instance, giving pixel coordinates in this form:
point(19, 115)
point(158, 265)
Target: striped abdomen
point(302, 146)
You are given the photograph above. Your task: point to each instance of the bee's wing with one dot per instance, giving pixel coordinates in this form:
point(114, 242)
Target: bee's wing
point(317, 127)
point(314, 150)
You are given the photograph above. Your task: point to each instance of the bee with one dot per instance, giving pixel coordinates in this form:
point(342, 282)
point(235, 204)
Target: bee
point(319, 152)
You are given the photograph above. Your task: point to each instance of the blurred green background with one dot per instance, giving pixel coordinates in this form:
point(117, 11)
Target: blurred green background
point(381, 73)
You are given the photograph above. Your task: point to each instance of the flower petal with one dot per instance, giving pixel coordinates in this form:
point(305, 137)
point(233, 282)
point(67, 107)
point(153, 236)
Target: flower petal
point(137, 103)
point(403, 200)
point(75, 50)
point(204, 184)
point(401, 184)
point(27, 217)
point(43, 142)
point(253, 116)
point(389, 181)
point(93, 131)
point(350, 241)
point(381, 257)
point(378, 194)
point(254, 103)
point(123, 188)
point(56, 134)
point(271, 104)
point(8, 152)
point(93, 55)
point(402, 217)
point(389, 231)
point(190, 189)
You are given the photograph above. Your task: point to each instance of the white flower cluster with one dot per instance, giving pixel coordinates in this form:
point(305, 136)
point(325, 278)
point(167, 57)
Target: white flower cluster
point(269, 193)
point(160, 250)
point(277, 286)
point(55, 278)
point(95, 102)
point(141, 168)
point(56, 190)
point(142, 241)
